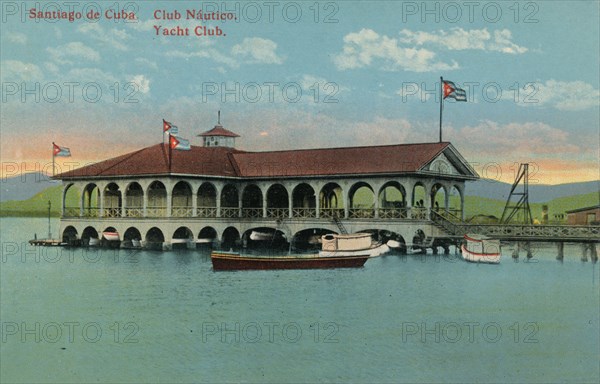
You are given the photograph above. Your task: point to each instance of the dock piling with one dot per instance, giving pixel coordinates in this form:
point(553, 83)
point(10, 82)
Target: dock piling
point(561, 251)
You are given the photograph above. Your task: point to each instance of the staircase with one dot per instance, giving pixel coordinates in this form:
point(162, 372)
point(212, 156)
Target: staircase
point(340, 225)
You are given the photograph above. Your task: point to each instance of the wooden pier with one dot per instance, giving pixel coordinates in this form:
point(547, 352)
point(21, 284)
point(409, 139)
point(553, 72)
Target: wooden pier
point(587, 235)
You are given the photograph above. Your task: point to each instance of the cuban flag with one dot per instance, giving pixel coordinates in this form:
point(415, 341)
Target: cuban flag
point(166, 125)
point(179, 143)
point(452, 91)
point(59, 151)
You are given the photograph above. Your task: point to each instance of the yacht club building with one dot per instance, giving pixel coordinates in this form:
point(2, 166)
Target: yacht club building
point(216, 193)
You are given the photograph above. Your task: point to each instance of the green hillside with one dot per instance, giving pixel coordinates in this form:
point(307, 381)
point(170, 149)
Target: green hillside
point(37, 206)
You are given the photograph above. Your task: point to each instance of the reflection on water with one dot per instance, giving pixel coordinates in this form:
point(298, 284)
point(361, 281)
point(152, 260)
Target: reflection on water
point(84, 315)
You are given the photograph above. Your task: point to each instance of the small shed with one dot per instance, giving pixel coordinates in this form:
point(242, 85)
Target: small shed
point(584, 216)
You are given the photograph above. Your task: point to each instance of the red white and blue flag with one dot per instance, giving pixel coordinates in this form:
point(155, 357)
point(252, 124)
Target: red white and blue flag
point(179, 143)
point(59, 151)
point(451, 90)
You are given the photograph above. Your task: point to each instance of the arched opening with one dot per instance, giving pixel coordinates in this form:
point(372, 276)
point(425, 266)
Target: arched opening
point(206, 237)
point(309, 239)
point(91, 200)
point(112, 201)
point(304, 201)
point(264, 238)
point(418, 241)
point(438, 198)
point(134, 200)
point(154, 239)
point(182, 238)
point(206, 201)
point(331, 201)
point(70, 201)
point(392, 201)
point(110, 237)
point(361, 201)
point(230, 202)
point(157, 200)
point(132, 238)
point(69, 235)
point(419, 195)
point(277, 202)
point(181, 200)
point(231, 239)
point(89, 236)
point(252, 201)
point(455, 201)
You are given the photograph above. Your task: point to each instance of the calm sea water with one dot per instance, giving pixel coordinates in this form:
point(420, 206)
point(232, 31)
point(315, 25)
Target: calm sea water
point(120, 316)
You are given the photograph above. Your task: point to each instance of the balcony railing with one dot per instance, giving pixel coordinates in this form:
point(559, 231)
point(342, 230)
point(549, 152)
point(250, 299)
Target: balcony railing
point(207, 211)
point(360, 213)
point(278, 213)
point(330, 213)
point(230, 213)
point(304, 212)
point(156, 211)
point(419, 213)
point(393, 213)
point(252, 212)
point(112, 212)
point(183, 211)
point(91, 212)
point(71, 212)
point(134, 212)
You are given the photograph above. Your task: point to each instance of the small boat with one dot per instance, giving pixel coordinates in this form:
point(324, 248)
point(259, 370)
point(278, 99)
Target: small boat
point(230, 261)
point(136, 243)
point(351, 244)
point(261, 236)
point(94, 242)
point(204, 240)
point(394, 244)
point(110, 236)
point(481, 249)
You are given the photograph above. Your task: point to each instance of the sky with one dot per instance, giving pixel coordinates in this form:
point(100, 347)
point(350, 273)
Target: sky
point(305, 74)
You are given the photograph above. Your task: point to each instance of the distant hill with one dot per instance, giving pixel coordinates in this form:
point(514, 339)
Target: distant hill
point(24, 186)
point(37, 205)
point(538, 193)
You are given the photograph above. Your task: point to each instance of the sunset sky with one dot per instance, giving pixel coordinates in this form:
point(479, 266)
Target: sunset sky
point(305, 75)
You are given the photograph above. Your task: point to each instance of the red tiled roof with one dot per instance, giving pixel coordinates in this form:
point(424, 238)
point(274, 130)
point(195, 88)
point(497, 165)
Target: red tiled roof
point(155, 160)
point(229, 162)
point(401, 158)
point(218, 130)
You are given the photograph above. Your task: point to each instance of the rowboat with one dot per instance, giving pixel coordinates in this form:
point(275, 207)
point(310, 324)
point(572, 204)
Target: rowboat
point(230, 261)
point(481, 249)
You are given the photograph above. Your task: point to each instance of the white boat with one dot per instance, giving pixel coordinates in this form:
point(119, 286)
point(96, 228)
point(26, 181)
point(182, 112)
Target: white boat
point(136, 243)
point(110, 236)
point(204, 240)
point(261, 236)
point(94, 242)
point(394, 244)
point(351, 245)
point(481, 249)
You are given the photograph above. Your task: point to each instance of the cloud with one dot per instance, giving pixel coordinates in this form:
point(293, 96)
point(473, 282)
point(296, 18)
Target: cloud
point(16, 37)
point(257, 51)
point(115, 38)
point(207, 53)
point(144, 61)
point(142, 82)
point(14, 70)
point(74, 50)
point(368, 48)
point(512, 140)
point(459, 39)
point(565, 95)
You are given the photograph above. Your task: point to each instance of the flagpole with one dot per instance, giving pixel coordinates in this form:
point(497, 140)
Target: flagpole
point(53, 158)
point(441, 104)
point(169, 151)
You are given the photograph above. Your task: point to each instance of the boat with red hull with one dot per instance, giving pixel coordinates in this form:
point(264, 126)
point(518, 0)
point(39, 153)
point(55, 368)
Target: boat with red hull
point(230, 261)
